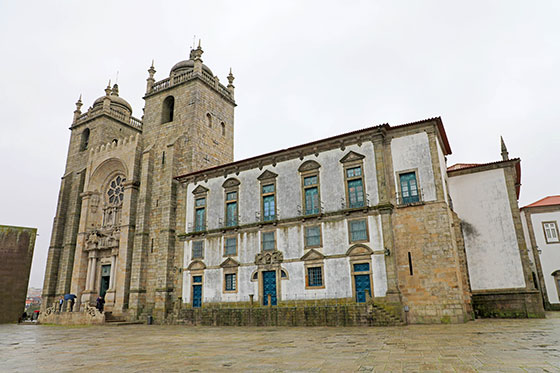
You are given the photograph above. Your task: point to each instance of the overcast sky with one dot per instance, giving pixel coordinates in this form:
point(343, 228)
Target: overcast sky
point(304, 71)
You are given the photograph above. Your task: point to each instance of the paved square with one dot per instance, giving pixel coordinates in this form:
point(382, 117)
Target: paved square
point(479, 346)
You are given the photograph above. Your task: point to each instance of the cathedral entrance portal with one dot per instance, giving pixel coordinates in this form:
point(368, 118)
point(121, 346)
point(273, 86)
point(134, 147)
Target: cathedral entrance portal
point(105, 280)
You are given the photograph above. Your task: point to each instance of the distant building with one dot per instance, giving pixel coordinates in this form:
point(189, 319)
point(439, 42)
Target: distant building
point(16, 253)
point(540, 224)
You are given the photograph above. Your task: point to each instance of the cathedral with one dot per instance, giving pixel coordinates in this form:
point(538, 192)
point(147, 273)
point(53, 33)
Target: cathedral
point(156, 217)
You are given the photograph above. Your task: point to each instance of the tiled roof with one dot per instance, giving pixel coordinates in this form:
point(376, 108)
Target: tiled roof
point(460, 166)
point(546, 201)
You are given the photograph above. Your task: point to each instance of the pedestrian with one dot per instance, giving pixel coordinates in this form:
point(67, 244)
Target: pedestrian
point(61, 303)
point(98, 304)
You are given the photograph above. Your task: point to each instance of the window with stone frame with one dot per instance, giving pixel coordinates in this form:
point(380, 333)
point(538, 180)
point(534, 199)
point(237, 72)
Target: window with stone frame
point(313, 236)
point(84, 142)
point(358, 230)
point(198, 249)
point(200, 214)
point(200, 200)
point(314, 277)
point(231, 209)
point(311, 201)
point(409, 190)
point(115, 190)
point(550, 229)
point(230, 246)
point(268, 240)
point(167, 109)
point(354, 179)
point(230, 281)
point(268, 195)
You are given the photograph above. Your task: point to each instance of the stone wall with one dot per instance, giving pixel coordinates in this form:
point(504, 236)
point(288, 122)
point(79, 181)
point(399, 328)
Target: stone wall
point(300, 315)
point(16, 253)
point(509, 304)
point(429, 265)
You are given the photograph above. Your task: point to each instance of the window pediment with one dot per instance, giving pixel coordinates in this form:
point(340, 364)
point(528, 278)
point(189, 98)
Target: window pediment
point(196, 265)
point(312, 255)
point(229, 263)
point(359, 250)
point(230, 183)
point(309, 166)
point(267, 175)
point(200, 190)
point(352, 156)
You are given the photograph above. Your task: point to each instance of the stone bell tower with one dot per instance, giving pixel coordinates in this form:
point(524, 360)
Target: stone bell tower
point(187, 126)
point(101, 140)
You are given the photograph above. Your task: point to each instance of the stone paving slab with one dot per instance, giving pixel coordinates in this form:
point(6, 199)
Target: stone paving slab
point(478, 346)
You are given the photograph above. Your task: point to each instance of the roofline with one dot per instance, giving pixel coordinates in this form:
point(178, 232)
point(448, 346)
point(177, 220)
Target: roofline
point(355, 136)
point(492, 165)
point(542, 199)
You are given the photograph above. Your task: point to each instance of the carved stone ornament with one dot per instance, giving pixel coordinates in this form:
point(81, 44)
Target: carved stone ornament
point(230, 183)
point(269, 257)
point(94, 202)
point(200, 190)
point(229, 263)
point(308, 166)
point(359, 250)
point(312, 255)
point(267, 175)
point(92, 241)
point(351, 157)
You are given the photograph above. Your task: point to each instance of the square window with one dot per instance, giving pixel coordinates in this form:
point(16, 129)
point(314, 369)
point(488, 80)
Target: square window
point(231, 246)
point(551, 232)
point(268, 241)
point(231, 196)
point(231, 281)
point(358, 230)
point(200, 202)
point(313, 236)
point(197, 279)
point(314, 276)
point(197, 249)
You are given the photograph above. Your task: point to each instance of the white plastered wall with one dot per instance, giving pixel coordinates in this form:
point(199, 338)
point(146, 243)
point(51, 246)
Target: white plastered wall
point(481, 201)
point(412, 152)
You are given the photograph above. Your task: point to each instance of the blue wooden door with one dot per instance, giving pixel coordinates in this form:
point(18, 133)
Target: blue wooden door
point(269, 287)
point(362, 285)
point(197, 296)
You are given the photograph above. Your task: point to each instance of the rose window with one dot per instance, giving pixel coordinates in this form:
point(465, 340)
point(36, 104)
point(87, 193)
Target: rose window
point(115, 193)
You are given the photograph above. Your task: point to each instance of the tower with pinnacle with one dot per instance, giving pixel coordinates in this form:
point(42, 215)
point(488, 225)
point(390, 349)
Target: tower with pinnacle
point(119, 206)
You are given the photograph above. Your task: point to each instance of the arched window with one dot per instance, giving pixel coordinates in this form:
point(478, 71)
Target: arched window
point(85, 140)
point(167, 110)
point(209, 120)
point(223, 129)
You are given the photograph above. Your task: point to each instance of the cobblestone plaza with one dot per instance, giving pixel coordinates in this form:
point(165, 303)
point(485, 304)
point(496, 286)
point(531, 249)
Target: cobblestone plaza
point(481, 345)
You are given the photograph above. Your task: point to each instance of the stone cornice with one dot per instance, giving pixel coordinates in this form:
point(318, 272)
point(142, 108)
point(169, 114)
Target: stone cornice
point(372, 134)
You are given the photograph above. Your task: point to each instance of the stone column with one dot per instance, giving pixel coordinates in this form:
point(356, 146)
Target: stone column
point(113, 272)
point(93, 269)
point(385, 186)
point(88, 275)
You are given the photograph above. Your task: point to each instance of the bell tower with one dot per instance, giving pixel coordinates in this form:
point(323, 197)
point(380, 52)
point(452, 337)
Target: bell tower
point(187, 126)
